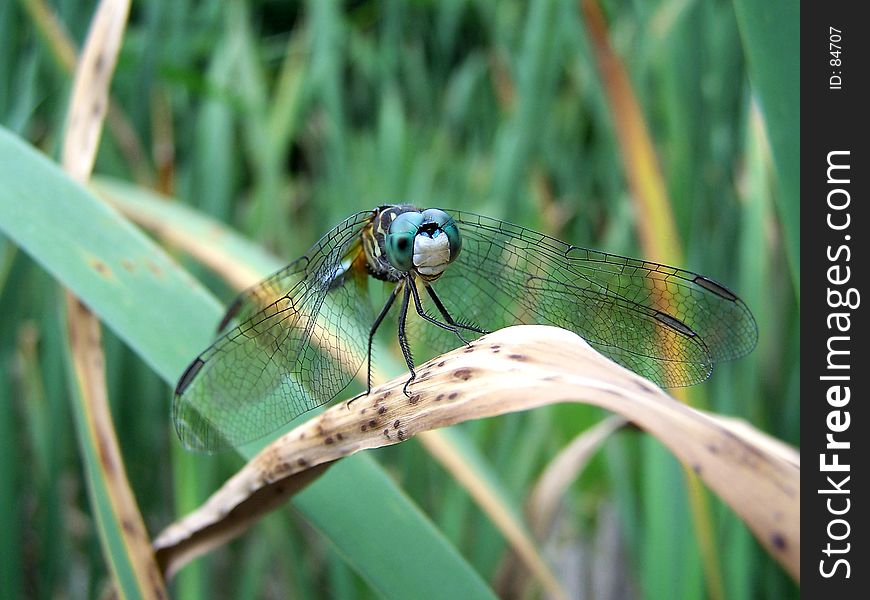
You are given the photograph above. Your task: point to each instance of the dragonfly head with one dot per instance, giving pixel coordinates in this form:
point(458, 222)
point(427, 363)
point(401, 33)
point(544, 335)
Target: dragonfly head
point(425, 242)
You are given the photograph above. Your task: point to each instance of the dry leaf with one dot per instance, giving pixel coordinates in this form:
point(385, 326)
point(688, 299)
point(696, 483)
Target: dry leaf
point(517, 368)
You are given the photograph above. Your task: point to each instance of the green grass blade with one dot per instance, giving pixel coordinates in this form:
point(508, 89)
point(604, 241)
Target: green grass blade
point(10, 481)
point(771, 39)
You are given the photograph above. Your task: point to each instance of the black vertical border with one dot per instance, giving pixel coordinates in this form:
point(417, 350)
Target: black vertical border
point(833, 120)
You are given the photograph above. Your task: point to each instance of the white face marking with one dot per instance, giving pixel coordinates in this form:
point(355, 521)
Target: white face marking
point(431, 255)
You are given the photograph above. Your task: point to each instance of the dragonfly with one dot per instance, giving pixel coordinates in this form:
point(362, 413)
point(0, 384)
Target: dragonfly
point(296, 340)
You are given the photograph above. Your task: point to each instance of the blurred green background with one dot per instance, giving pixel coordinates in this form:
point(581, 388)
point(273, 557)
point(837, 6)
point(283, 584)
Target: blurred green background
point(281, 118)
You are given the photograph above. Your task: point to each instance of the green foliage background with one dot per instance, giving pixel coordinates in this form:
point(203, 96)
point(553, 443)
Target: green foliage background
point(281, 118)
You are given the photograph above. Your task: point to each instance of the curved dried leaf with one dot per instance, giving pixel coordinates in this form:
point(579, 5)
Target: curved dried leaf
point(521, 368)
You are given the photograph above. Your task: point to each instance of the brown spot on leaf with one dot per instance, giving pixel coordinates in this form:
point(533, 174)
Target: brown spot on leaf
point(401, 434)
point(363, 427)
point(154, 268)
point(372, 423)
point(105, 455)
point(644, 387)
point(99, 63)
point(778, 541)
point(387, 433)
point(414, 399)
point(452, 395)
point(302, 462)
point(441, 364)
point(128, 265)
point(157, 583)
point(328, 440)
point(128, 526)
point(464, 374)
point(519, 357)
point(338, 436)
point(382, 410)
point(101, 267)
point(439, 397)
point(396, 424)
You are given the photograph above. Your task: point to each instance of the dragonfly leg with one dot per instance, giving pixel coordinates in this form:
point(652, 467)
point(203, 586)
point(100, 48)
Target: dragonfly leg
point(357, 397)
point(451, 327)
point(403, 340)
point(372, 332)
point(443, 310)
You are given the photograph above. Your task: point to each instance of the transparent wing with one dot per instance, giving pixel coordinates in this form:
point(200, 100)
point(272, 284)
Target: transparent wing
point(665, 323)
point(287, 345)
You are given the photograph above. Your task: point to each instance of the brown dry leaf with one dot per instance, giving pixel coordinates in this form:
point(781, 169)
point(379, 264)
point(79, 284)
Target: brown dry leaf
point(88, 105)
point(63, 50)
point(772, 445)
point(655, 221)
point(517, 368)
point(88, 364)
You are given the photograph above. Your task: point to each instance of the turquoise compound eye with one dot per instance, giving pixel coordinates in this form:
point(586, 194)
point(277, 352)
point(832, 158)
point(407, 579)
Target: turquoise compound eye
point(400, 240)
point(446, 224)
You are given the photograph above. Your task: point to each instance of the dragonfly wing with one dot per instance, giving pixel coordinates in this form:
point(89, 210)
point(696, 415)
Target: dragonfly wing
point(667, 324)
point(289, 344)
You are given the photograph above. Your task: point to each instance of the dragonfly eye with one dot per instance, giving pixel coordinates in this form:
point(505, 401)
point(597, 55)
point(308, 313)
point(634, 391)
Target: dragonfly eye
point(400, 240)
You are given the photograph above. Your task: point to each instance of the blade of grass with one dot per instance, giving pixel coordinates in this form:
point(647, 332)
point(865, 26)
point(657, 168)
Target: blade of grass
point(11, 585)
point(771, 38)
point(537, 68)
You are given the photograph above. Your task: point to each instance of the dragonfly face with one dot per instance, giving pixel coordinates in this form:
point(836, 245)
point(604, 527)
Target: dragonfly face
point(404, 239)
point(295, 340)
